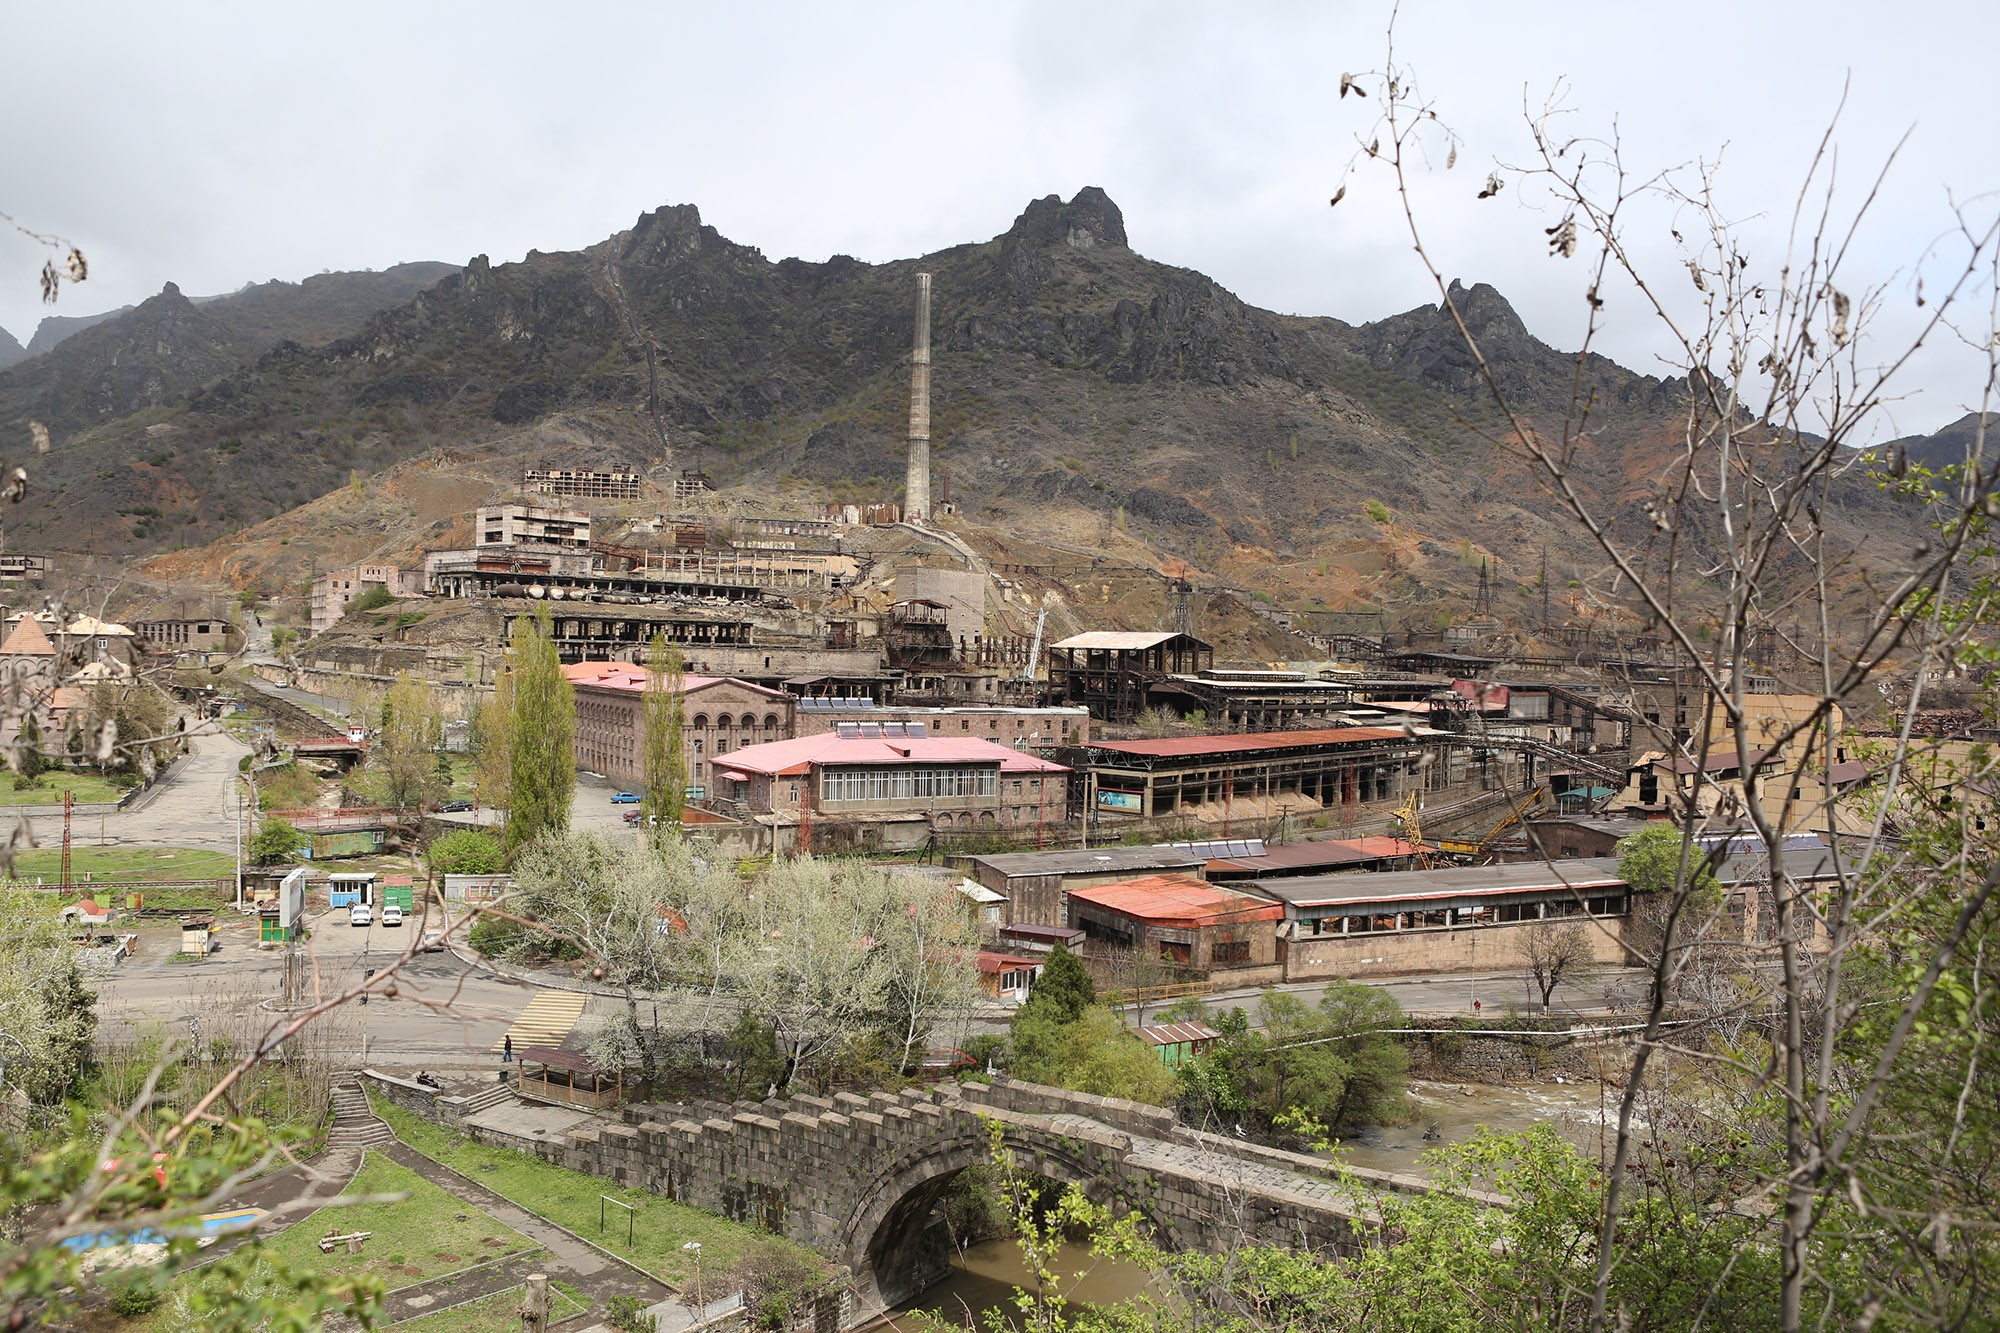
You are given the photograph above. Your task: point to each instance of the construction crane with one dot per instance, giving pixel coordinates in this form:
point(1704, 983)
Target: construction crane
point(1515, 810)
point(1411, 813)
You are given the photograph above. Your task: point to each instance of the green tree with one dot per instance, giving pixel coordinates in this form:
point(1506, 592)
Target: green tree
point(493, 746)
point(44, 1006)
point(466, 852)
point(665, 707)
point(403, 761)
point(541, 766)
point(1094, 1053)
point(30, 746)
point(372, 598)
point(1062, 990)
point(276, 842)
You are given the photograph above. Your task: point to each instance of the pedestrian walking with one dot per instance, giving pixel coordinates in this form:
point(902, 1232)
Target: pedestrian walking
point(507, 1049)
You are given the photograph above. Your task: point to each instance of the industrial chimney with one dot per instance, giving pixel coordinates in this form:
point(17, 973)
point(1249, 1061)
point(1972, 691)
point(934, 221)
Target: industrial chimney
point(917, 488)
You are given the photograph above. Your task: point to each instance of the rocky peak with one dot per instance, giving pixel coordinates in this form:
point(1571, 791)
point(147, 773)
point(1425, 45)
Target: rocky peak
point(1485, 311)
point(10, 350)
point(1087, 222)
point(664, 234)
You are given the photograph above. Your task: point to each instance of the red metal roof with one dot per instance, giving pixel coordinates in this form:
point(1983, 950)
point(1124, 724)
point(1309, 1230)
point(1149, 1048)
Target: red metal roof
point(991, 963)
point(631, 678)
point(830, 749)
point(1176, 901)
point(1262, 740)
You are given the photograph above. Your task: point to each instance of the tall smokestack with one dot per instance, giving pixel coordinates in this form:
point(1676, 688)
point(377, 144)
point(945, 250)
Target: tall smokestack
point(917, 488)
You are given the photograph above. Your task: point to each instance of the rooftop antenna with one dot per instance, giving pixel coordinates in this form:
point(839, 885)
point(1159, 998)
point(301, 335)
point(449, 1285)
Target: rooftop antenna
point(917, 485)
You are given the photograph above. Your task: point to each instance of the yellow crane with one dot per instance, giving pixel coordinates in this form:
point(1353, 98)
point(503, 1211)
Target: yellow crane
point(1411, 813)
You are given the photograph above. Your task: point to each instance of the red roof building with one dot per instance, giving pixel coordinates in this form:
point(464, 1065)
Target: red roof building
point(1179, 920)
point(939, 784)
point(720, 715)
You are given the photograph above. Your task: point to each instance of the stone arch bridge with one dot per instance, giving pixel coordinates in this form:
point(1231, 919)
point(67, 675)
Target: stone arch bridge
point(856, 1177)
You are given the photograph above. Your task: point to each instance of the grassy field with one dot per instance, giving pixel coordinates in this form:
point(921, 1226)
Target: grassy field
point(570, 1198)
point(500, 1310)
point(424, 1235)
point(82, 787)
point(126, 863)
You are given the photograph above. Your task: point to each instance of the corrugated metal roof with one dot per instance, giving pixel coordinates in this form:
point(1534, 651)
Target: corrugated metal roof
point(1088, 861)
point(1328, 852)
point(1175, 901)
point(1117, 640)
point(1173, 1034)
point(1452, 882)
point(1176, 746)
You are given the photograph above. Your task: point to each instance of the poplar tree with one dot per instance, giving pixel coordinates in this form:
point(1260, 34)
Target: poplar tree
point(666, 735)
point(540, 729)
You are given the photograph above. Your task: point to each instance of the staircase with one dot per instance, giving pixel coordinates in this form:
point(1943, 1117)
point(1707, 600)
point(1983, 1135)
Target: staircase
point(489, 1096)
point(354, 1122)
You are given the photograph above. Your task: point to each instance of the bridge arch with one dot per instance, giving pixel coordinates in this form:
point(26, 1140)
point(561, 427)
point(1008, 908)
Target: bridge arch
point(882, 1239)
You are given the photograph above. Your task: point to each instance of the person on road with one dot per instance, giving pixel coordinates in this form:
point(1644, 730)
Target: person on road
point(507, 1049)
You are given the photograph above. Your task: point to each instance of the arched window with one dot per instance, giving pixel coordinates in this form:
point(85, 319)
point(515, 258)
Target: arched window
point(701, 722)
point(722, 721)
point(750, 719)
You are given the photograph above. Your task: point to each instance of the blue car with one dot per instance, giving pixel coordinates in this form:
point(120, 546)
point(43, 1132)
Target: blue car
point(624, 798)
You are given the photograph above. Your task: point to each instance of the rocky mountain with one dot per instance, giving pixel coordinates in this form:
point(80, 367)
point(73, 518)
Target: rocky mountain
point(1085, 397)
point(82, 371)
point(1951, 445)
point(11, 350)
point(55, 328)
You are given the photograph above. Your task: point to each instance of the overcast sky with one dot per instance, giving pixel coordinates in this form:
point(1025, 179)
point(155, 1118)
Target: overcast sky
point(214, 145)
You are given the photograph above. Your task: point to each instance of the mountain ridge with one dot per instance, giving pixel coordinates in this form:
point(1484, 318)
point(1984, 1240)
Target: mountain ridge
point(1080, 388)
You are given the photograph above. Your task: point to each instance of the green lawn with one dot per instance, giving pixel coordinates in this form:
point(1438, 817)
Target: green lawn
point(428, 1233)
point(126, 863)
point(500, 1310)
point(570, 1198)
point(82, 787)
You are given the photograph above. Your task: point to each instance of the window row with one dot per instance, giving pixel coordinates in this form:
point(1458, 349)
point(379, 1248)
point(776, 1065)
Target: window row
point(886, 784)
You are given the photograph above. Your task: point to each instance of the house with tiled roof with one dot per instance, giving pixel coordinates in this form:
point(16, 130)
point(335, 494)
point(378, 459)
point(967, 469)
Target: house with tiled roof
point(28, 673)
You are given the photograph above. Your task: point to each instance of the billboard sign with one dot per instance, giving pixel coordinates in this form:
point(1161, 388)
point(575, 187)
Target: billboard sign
point(1129, 802)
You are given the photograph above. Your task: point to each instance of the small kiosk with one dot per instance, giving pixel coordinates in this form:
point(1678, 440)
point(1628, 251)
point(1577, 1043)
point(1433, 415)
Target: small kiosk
point(349, 890)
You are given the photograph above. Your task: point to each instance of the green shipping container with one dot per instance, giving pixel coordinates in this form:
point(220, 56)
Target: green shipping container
point(333, 845)
point(401, 895)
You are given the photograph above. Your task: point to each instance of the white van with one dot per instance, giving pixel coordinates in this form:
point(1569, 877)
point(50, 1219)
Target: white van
point(361, 914)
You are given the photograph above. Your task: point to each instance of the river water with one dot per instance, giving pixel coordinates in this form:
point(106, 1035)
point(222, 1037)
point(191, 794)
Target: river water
point(985, 1275)
point(1585, 1114)
point(984, 1278)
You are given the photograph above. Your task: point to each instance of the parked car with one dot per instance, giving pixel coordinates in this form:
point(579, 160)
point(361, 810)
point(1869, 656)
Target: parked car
point(454, 807)
point(361, 914)
point(392, 914)
point(625, 798)
point(433, 941)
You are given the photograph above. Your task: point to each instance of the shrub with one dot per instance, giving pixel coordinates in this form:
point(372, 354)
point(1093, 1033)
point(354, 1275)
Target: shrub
point(277, 841)
point(1377, 511)
point(27, 782)
point(136, 1298)
point(466, 852)
point(372, 598)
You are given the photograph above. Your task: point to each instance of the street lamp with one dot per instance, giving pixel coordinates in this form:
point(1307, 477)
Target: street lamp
point(694, 1248)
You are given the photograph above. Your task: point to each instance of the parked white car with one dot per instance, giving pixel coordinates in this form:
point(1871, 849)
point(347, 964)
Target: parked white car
point(361, 914)
point(392, 914)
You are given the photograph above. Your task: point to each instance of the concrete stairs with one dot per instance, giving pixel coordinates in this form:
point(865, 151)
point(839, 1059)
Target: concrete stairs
point(486, 1098)
point(354, 1122)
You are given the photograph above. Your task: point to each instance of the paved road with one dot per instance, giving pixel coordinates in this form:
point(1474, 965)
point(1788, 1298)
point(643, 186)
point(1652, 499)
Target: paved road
point(447, 1013)
point(195, 808)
